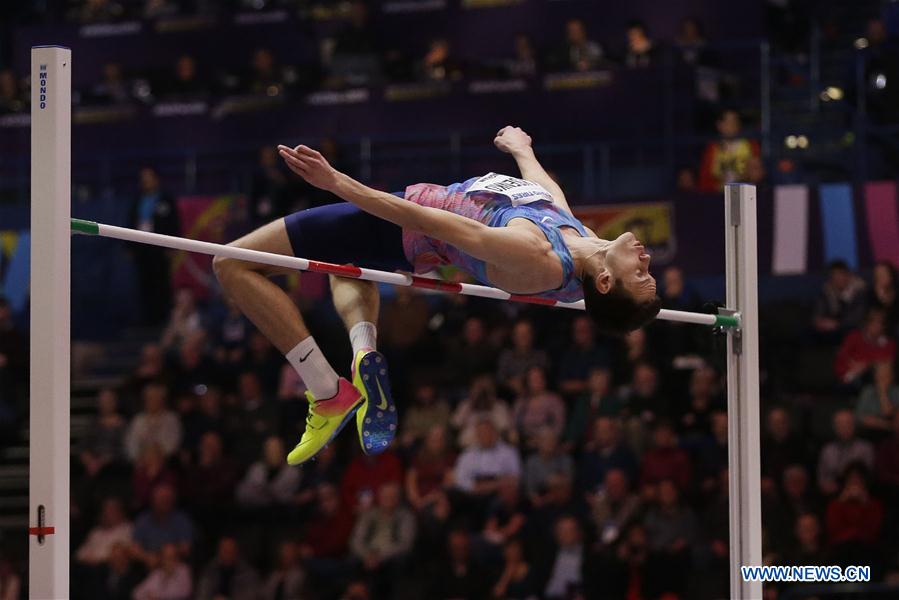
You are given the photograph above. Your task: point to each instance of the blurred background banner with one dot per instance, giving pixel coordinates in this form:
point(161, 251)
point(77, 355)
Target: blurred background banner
point(651, 222)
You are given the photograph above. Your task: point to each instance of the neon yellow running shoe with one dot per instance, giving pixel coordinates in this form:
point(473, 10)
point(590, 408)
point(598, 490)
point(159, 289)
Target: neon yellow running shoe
point(324, 420)
point(376, 419)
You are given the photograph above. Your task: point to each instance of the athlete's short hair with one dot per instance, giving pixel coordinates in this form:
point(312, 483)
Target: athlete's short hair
point(617, 312)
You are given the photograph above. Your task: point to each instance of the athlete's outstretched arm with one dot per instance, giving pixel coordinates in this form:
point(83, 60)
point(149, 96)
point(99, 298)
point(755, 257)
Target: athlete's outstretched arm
point(489, 244)
point(516, 142)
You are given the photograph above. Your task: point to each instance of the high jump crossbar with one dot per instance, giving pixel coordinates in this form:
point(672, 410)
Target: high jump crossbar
point(51, 229)
point(353, 272)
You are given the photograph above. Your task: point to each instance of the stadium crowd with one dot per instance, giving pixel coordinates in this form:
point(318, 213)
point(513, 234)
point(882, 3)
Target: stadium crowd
point(534, 459)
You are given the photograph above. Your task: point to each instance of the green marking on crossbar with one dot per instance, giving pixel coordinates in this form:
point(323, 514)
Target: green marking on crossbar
point(726, 321)
point(88, 227)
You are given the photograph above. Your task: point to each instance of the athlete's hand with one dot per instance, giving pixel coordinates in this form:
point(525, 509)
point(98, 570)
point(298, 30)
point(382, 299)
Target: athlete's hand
point(512, 139)
point(310, 165)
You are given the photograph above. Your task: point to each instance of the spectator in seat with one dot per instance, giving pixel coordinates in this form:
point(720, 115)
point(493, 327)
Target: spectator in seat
point(162, 525)
point(210, 479)
point(150, 471)
point(548, 460)
point(439, 63)
point(559, 499)
point(156, 425)
point(185, 84)
point(471, 355)
point(840, 306)
point(863, 348)
point(481, 403)
point(104, 443)
point(113, 88)
point(171, 579)
point(664, 461)
point(781, 446)
point(155, 211)
point(641, 50)
point(705, 399)
point(12, 99)
point(798, 496)
point(481, 467)
point(878, 402)
point(514, 362)
point(118, 577)
point(194, 369)
point(365, 475)
point(287, 579)
point(607, 451)
point(580, 53)
point(271, 193)
point(526, 61)
point(383, 535)
point(564, 568)
point(428, 410)
point(150, 369)
point(355, 59)
point(691, 41)
point(635, 350)
point(677, 339)
point(430, 469)
point(113, 528)
point(264, 360)
point(253, 418)
point(517, 580)
point(506, 515)
point(597, 401)
point(671, 531)
point(184, 322)
point(854, 519)
point(843, 451)
point(726, 160)
point(582, 356)
point(538, 409)
point(460, 576)
point(807, 548)
point(614, 507)
point(326, 538)
point(643, 403)
point(265, 78)
point(228, 575)
point(884, 294)
point(270, 482)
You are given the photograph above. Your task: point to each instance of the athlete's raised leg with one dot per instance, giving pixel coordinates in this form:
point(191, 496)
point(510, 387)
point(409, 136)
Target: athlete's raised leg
point(332, 401)
point(358, 303)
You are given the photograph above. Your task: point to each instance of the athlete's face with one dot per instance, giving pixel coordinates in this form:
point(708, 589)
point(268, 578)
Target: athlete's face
point(628, 265)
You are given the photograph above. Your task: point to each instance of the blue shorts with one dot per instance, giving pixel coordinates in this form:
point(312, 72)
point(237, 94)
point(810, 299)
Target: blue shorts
point(343, 234)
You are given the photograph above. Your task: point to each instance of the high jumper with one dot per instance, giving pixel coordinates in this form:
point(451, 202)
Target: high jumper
point(516, 234)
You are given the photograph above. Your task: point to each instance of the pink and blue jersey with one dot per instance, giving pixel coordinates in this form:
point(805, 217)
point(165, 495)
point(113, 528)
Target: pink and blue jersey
point(472, 199)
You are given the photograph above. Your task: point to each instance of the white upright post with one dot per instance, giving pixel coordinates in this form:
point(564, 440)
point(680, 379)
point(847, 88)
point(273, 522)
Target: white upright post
point(51, 121)
point(743, 389)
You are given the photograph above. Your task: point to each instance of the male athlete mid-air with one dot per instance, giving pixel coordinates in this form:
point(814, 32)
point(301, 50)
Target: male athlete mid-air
point(515, 234)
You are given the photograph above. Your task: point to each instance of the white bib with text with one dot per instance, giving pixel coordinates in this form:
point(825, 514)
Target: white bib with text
point(518, 191)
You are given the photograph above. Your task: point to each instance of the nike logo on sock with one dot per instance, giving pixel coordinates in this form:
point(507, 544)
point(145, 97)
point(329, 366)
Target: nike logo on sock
point(307, 355)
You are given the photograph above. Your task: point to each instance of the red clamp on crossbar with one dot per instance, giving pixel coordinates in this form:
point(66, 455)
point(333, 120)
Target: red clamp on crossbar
point(41, 530)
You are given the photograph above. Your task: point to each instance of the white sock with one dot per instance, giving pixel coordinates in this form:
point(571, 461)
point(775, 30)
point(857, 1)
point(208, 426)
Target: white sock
point(364, 335)
point(307, 359)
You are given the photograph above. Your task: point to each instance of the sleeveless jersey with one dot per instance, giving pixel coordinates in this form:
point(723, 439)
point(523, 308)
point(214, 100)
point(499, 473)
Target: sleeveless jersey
point(494, 200)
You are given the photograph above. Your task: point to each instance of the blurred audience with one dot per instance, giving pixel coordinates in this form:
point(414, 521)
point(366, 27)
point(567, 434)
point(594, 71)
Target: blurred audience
point(727, 160)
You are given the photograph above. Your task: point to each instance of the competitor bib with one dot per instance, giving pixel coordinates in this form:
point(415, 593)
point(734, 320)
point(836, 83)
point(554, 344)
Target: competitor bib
point(518, 191)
